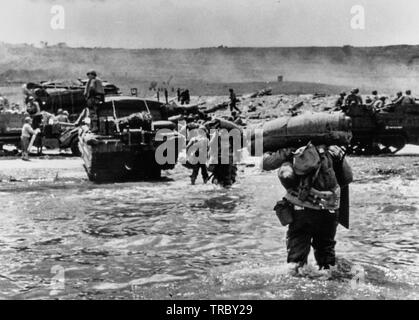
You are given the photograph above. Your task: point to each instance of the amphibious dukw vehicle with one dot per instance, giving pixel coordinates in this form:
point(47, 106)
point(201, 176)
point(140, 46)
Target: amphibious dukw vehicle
point(10, 128)
point(57, 135)
point(66, 95)
point(125, 144)
point(362, 130)
point(51, 96)
point(386, 131)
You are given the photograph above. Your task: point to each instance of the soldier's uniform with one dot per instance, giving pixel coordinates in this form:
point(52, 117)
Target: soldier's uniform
point(196, 144)
point(313, 193)
point(408, 99)
point(223, 161)
point(95, 96)
point(399, 99)
point(354, 98)
point(233, 102)
point(340, 102)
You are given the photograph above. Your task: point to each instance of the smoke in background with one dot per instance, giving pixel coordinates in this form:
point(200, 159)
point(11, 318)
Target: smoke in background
point(384, 67)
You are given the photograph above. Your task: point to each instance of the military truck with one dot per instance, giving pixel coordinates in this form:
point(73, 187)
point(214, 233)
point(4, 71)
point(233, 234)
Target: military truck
point(61, 135)
point(124, 147)
point(383, 132)
point(56, 135)
point(65, 95)
point(10, 128)
point(52, 96)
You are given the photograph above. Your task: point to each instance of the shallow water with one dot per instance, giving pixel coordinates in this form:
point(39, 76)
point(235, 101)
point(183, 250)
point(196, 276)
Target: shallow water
point(63, 237)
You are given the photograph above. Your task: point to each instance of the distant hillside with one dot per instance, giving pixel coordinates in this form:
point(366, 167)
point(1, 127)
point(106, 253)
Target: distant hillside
point(382, 67)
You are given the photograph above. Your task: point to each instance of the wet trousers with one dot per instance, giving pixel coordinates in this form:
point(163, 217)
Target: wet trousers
point(195, 172)
point(224, 174)
point(312, 228)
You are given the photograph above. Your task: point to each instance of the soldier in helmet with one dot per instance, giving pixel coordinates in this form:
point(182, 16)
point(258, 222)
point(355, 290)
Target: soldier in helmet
point(198, 161)
point(62, 116)
point(32, 107)
point(95, 96)
point(408, 99)
point(233, 101)
point(316, 179)
point(399, 98)
point(375, 96)
point(379, 104)
point(354, 98)
point(340, 102)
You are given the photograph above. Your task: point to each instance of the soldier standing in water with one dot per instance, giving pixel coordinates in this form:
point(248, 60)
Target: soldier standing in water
point(316, 180)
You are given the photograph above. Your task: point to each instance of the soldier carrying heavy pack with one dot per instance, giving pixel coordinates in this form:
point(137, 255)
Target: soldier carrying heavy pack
point(225, 144)
point(316, 180)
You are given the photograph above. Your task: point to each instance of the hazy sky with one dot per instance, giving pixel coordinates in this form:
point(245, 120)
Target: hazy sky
point(205, 23)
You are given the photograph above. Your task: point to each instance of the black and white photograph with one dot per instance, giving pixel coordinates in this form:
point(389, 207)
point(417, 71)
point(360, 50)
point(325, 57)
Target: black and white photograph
point(188, 151)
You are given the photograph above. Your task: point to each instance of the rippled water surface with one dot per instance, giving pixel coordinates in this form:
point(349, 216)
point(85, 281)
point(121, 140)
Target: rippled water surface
point(63, 237)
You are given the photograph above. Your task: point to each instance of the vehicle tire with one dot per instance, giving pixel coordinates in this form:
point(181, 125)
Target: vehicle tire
point(75, 150)
point(155, 172)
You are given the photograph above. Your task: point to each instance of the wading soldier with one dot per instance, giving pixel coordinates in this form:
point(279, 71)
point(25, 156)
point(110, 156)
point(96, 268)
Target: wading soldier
point(198, 143)
point(316, 180)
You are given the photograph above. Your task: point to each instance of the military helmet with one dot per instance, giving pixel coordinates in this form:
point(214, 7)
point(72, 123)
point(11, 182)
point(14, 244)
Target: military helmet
point(306, 160)
point(92, 72)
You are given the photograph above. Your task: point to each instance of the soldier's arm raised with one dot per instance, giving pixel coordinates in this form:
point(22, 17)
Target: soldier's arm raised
point(272, 161)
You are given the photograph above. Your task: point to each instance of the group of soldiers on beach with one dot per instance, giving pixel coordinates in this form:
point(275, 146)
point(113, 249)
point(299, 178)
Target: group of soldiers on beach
point(224, 172)
point(374, 102)
point(315, 177)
